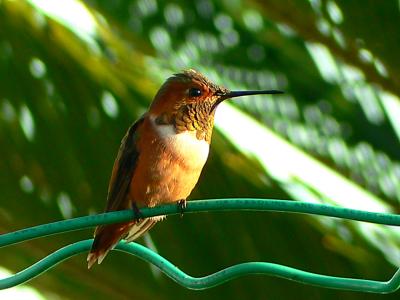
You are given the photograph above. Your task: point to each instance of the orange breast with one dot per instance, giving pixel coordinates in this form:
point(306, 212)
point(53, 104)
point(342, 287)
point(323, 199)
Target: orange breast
point(169, 164)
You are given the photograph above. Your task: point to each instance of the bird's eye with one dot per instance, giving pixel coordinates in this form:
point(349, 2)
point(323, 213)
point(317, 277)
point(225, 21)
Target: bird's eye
point(194, 92)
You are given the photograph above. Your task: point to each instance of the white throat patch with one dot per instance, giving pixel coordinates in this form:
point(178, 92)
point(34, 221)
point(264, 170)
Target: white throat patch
point(185, 143)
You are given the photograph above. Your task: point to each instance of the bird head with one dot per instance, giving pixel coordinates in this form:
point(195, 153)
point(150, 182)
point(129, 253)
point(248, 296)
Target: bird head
point(189, 100)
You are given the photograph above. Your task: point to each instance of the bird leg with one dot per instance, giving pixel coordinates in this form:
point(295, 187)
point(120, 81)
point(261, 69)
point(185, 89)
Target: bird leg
point(137, 213)
point(182, 206)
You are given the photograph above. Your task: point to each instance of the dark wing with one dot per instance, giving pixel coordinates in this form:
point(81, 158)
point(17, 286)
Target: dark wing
point(124, 167)
point(107, 236)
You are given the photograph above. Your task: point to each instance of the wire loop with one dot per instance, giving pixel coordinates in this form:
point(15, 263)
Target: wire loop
point(198, 283)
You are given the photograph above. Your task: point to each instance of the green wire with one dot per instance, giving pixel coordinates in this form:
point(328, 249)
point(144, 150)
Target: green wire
point(217, 278)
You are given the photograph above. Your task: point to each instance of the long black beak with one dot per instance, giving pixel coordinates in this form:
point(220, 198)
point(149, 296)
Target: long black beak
point(233, 94)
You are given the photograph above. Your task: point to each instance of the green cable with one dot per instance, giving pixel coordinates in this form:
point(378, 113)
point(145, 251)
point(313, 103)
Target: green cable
point(199, 283)
point(219, 277)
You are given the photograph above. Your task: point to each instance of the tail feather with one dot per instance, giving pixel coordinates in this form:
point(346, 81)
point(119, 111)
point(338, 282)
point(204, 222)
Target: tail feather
point(106, 237)
point(140, 228)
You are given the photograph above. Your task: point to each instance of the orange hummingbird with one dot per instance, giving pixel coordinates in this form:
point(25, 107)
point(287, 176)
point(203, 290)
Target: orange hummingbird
point(161, 156)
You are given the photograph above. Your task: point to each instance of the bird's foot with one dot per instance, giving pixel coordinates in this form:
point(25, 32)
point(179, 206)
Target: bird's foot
point(182, 206)
point(137, 213)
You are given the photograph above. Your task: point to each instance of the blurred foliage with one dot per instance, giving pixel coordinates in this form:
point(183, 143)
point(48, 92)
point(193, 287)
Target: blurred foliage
point(72, 82)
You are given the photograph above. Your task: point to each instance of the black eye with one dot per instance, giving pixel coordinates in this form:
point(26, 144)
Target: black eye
point(194, 92)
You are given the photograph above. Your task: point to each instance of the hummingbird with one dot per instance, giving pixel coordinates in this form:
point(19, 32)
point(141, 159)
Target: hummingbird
point(162, 155)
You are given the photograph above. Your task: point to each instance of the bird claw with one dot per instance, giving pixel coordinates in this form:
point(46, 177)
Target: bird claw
point(182, 206)
point(137, 213)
